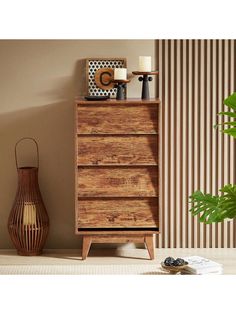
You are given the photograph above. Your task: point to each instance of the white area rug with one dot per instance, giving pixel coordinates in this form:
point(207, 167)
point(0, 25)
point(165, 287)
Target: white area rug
point(138, 269)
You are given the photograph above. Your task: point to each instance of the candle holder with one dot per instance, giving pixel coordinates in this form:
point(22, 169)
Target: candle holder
point(120, 85)
point(145, 78)
point(28, 222)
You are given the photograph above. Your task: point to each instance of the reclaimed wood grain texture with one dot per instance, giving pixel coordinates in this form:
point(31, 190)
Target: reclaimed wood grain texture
point(117, 150)
point(126, 213)
point(120, 119)
point(118, 239)
point(121, 231)
point(119, 181)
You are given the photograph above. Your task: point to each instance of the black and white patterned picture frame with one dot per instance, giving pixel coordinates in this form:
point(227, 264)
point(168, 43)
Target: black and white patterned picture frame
point(94, 65)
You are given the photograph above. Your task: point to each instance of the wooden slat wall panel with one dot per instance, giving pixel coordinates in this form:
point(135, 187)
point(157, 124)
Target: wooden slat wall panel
point(119, 119)
point(118, 182)
point(117, 150)
point(114, 213)
point(195, 77)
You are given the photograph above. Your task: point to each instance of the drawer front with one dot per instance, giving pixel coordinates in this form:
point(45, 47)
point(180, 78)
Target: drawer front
point(120, 119)
point(117, 150)
point(110, 213)
point(122, 181)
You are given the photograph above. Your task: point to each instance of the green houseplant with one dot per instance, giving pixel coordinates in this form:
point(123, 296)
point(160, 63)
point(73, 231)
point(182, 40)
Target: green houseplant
point(216, 208)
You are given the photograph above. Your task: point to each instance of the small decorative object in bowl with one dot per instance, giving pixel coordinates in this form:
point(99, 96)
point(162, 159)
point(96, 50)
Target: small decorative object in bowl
point(174, 266)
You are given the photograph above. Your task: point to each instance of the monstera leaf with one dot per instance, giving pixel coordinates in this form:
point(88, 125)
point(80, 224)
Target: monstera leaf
point(229, 127)
point(217, 208)
point(206, 205)
point(214, 208)
point(228, 202)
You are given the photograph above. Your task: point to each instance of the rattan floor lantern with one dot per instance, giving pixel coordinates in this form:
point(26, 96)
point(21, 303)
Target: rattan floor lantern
point(28, 223)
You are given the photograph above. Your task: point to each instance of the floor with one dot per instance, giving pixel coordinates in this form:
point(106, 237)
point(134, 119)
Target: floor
point(227, 257)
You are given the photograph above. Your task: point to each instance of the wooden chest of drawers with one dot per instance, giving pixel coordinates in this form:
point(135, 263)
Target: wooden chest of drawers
point(116, 171)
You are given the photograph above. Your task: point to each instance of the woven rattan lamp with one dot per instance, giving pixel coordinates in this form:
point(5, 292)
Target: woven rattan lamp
point(28, 223)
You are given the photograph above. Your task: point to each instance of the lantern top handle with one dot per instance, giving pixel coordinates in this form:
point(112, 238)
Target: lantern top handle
point(37, 149)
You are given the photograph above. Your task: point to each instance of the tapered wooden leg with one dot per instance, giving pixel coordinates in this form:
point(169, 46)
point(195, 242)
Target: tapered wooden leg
point(87, 240)
point(149, 244)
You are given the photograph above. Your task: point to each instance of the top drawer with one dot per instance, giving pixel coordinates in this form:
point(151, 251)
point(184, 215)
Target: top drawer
point(119, 119)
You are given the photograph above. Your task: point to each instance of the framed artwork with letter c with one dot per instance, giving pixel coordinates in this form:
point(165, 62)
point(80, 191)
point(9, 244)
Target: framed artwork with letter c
point(100, 73)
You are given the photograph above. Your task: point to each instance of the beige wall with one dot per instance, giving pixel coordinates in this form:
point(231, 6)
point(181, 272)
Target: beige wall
point(38, 83)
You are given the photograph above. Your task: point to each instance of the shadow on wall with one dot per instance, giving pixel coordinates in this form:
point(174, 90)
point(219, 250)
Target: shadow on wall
point(69, 87)
point(52, 125)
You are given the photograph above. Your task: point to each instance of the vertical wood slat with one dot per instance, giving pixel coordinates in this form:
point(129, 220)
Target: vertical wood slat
point(184, 135)
point(195, 76)
point(209, 123)
point(220, 135)
point(189, 144)
point(232, 86)
point(196, 134)
point(172, 151)
point(166, 199)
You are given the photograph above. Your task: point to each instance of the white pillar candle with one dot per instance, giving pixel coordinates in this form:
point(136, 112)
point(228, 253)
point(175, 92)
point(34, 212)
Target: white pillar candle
point(145, 64)
point(120, 74)
point(29, 214)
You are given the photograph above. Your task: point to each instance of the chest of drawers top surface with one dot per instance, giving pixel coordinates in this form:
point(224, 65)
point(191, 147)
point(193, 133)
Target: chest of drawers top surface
point(82, 101)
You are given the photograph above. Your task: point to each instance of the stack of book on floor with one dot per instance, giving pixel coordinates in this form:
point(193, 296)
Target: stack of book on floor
point(198, 265)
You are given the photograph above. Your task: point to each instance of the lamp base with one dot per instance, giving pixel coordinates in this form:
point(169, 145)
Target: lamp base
point(145, 78)
point(121, 87)
point(145, 87)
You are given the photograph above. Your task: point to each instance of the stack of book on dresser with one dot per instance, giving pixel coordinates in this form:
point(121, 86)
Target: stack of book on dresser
point(198, 265)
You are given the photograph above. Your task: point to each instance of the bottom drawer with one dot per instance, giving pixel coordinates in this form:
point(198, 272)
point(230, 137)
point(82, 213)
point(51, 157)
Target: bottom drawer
point(117, 213)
